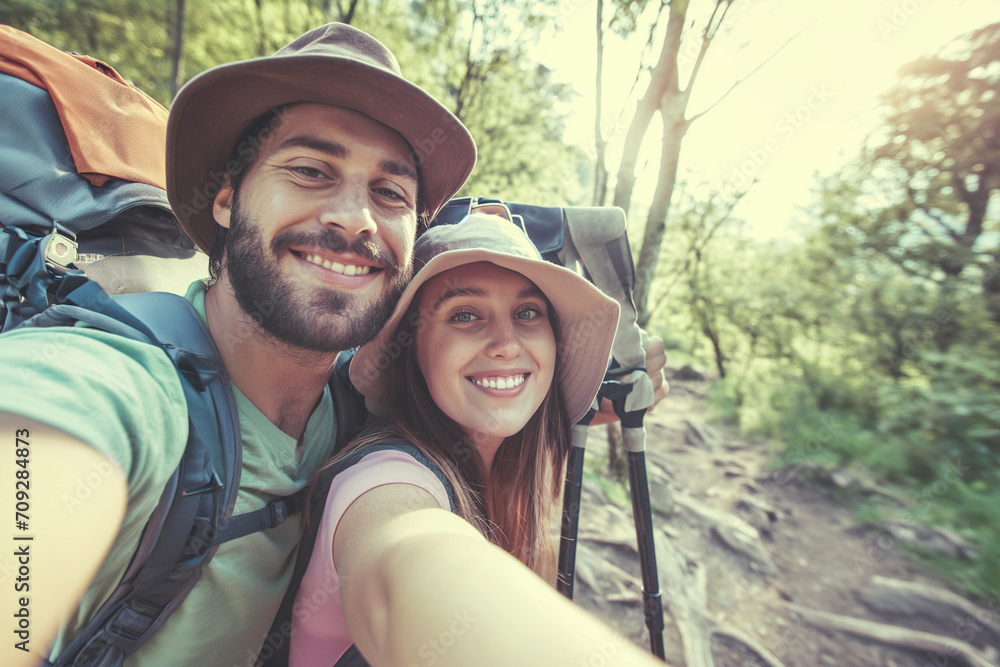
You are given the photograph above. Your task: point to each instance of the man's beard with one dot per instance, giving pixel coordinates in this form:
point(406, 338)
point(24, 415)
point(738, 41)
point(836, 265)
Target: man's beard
point(293, 315)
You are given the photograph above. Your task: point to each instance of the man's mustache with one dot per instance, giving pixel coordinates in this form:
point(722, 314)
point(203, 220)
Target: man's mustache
point(334, 241)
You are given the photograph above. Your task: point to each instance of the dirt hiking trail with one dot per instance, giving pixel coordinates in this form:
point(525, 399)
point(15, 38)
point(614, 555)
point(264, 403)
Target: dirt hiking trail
point(765, 567)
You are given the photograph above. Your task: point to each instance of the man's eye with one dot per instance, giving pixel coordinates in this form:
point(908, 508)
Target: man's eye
point(309, 172)
point(389, 193)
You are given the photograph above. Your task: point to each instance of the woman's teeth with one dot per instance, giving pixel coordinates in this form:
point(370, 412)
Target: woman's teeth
point(499, 382)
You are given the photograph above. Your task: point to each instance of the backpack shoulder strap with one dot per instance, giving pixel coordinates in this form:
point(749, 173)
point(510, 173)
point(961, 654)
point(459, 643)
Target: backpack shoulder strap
point(194, 512)
point(348, 402)
point(195, 498)
point(354, 457)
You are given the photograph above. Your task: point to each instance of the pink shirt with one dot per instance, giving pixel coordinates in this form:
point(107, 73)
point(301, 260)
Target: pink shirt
point(319, 631)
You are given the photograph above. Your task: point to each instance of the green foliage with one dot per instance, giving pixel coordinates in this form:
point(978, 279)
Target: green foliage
point(921, 195)
point(952, 418)
point(972, 510)
point(470, 55)
point(874, 345)
point(943, 124)
point(522, 154)
point(625, 18)
point(473, 57)
point(136, 37)
point(969, 510)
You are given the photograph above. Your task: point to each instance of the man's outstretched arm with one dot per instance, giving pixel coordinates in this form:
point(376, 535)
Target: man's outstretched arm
point(50, 549)
point(420, 584)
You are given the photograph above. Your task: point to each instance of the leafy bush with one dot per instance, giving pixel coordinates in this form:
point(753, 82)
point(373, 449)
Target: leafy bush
point(955, 417)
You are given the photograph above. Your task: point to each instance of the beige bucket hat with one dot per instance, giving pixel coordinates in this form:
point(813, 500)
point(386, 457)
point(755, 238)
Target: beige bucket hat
point(335, 64)
point(587, 317)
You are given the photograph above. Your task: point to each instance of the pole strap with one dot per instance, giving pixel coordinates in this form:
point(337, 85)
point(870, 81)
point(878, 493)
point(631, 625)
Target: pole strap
point(598, 239)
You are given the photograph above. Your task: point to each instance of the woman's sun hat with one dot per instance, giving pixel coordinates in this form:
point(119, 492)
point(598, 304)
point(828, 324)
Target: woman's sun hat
point(587, 318)
point(335, 64)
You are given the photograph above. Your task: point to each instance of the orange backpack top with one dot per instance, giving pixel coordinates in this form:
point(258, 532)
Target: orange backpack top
point(114, 130)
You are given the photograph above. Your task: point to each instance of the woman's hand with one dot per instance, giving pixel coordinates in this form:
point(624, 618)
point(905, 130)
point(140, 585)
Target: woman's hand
point(656, 360)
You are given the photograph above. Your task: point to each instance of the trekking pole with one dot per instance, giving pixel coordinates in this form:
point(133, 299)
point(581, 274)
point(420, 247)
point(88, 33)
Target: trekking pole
point(571, 506)
point(634, 443)
point(597, 237)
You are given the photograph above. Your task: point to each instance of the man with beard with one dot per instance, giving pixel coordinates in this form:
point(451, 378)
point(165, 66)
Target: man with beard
point(306, 176)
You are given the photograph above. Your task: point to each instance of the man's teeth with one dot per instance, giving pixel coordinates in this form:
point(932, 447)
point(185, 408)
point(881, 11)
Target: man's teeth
point(500, 383)
point(337, 267)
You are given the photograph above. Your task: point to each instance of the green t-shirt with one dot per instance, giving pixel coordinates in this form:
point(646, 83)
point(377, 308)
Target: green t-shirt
point(124, 398)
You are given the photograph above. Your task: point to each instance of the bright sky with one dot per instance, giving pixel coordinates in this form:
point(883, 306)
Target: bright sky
point(806, 111)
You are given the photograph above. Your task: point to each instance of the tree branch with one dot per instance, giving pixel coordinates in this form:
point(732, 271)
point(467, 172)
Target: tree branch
point(735, 84)
point(648, 48)
point(706, 41)
point(346, 16)
point(697, 247)
point(941, 222)
point(469, 65)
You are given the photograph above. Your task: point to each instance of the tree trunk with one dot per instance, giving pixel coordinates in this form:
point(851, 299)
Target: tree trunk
point(665, 95)
point(664, 80)
point(991, 287)
point(711, 331)
point(704, 310)
point(674, 127)
point(178, 54)
point(617, 468)
point(93, 34)
point(261, 34)
point(464, 87)
point(990, 284)
point(346, 16)
point(600, 146)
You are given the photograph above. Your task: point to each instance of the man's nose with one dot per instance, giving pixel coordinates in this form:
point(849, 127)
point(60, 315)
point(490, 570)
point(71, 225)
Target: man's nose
point(349, 209)
point(504, 343)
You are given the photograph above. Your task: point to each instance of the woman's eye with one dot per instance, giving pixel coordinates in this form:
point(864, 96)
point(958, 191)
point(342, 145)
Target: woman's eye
point(528, 314)
point(464, 317)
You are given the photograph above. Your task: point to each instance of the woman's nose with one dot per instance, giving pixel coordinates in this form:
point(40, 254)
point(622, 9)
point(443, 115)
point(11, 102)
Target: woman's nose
point(504, 341)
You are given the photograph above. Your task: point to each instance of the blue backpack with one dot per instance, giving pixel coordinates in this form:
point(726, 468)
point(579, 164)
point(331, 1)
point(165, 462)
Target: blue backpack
point(53, 218)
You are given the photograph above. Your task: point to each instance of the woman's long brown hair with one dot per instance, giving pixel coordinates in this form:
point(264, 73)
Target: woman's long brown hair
point(511, 503)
